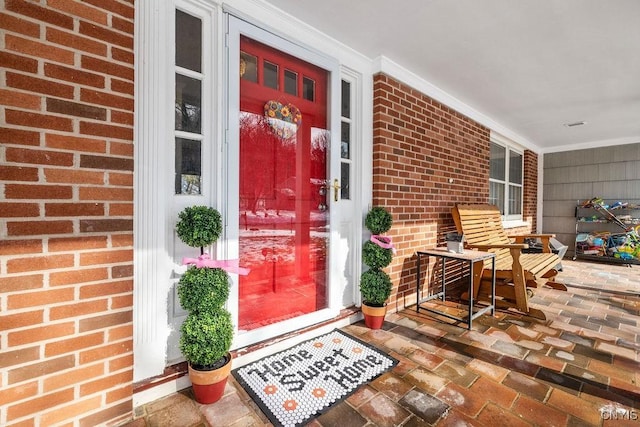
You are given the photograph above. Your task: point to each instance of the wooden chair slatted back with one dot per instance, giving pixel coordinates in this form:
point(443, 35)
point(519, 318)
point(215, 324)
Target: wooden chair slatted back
point(482, 225)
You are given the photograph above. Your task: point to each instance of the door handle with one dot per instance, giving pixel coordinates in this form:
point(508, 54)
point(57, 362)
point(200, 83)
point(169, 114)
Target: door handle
point(335, 186)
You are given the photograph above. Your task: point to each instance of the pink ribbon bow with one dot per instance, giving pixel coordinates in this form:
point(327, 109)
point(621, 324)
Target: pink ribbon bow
point(228, 265)
point(383, 242)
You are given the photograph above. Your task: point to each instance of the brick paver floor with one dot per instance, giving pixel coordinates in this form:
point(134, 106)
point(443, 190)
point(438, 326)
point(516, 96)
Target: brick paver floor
point(580, 367)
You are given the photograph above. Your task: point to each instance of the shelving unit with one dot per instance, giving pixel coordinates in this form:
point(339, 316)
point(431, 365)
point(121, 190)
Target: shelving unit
point(611, 235)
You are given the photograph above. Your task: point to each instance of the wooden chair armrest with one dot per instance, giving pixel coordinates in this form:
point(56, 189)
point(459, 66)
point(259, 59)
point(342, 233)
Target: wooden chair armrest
point(534, 236)
point(545, 238)
point(500, 246)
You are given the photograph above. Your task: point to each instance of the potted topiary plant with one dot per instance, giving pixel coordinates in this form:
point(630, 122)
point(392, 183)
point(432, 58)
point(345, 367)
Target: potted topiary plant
point(377, 253)
point(207, 332)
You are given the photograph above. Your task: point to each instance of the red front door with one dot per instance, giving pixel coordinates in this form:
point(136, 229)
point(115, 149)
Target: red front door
point(284, 222)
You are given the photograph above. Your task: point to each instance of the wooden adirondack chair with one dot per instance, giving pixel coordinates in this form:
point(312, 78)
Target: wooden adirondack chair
point(482, 228)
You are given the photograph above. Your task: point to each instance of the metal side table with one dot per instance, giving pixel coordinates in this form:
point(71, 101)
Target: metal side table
point(468, 257)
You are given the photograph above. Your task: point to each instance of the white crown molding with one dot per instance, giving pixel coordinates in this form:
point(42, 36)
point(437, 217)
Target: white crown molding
point(593, 144)
point(387, 66)
point(508, 142)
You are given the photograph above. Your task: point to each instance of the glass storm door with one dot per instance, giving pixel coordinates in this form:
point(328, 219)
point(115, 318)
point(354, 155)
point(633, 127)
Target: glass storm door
point(283, 186)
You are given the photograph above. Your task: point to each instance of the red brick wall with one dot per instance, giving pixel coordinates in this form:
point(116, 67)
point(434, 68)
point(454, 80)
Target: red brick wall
point(426, 158)
point(530, 189)
point(66, 211)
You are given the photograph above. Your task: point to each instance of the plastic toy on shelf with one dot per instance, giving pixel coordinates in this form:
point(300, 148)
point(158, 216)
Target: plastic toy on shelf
point(604, 242)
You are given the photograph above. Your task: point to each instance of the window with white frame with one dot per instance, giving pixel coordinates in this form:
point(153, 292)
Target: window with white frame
point(505, 180)
point(345, 139)
point(188, 104)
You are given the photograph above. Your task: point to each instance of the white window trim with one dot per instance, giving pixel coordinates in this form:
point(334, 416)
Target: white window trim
point(354, 261)
point(508, 220)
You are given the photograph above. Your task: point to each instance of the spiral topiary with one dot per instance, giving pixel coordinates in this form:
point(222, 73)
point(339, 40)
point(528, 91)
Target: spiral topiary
point(375, 284)
point(207, 332)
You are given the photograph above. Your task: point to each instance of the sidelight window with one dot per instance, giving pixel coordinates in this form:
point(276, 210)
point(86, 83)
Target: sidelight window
point(188, 104)
point(345, 140)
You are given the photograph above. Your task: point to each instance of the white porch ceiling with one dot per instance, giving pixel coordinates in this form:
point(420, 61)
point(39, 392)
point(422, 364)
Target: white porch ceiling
point(529, 65)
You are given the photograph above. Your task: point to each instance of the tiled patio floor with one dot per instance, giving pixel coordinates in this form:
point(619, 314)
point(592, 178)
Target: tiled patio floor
point(580, 367)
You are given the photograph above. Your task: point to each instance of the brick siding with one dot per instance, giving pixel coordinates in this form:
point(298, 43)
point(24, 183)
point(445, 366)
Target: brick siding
point(530, 190)
point(66, 212)
point(426, 158)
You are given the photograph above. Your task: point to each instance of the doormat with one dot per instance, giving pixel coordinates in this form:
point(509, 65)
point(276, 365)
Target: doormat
point(300, 383)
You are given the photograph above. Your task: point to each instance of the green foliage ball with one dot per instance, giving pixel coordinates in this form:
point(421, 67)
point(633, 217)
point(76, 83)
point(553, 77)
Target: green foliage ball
point(199, 226)
point(375, 287)
point(203, 289)
point(376, 256)
point(206, 338)
point(378, 220)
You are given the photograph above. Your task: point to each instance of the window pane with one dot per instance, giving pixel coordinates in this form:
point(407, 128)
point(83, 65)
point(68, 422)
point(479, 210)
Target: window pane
point(346, 99)
point(291, 82)
point(248, 67)
point(345, 137)
point(497, 170)
point(496, 195)
point(188, 103)
point(345, 169)
point(188, 166)
point(308, 89)
point(188, 41)
point(515, 167)
point(515, 200)
point(270, 75)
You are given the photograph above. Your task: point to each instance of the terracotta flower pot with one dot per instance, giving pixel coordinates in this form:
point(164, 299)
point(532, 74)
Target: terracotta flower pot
point(208, 386)
point(374, 316)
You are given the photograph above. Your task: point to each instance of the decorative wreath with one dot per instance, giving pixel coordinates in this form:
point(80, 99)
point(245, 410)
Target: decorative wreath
point(283, 119)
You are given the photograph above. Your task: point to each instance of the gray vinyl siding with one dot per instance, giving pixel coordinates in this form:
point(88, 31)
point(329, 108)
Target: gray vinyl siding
point(611, 173)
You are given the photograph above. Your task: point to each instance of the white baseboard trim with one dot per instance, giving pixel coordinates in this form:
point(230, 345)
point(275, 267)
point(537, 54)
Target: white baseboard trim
point(161, 390)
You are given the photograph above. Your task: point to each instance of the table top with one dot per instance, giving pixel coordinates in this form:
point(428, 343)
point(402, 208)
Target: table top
point(466, 255)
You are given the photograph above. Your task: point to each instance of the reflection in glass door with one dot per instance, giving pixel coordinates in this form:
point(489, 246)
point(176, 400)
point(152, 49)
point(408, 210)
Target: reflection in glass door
point(284, 218)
